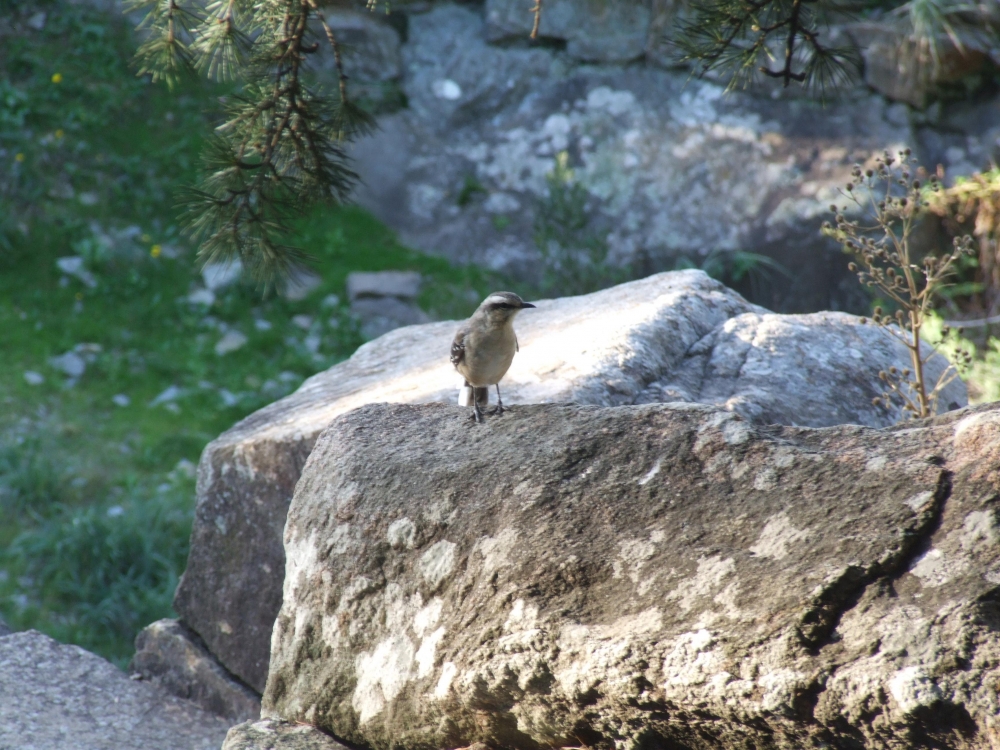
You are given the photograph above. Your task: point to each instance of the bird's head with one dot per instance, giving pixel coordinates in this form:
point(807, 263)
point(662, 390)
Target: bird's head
point(501, 307)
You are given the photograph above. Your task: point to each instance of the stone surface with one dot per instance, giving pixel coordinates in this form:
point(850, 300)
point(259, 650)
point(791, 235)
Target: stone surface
point(54, 697)
point(401, 284)
point(642, 341)
point(269, 734)
point(379, 315)
point(369, 46)
point(594, 30)
point(808, 370)
point(897, 68)
point(171, 655)
point(671, 168)
point(644, 576)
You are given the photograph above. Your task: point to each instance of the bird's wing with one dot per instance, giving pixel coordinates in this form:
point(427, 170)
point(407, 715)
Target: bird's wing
point(458, 347)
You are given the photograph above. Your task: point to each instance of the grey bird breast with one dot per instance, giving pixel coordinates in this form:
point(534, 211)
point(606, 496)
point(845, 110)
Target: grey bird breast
point(488, 354)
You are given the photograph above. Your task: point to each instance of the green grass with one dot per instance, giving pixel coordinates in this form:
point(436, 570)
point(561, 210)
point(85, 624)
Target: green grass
point(97, 498)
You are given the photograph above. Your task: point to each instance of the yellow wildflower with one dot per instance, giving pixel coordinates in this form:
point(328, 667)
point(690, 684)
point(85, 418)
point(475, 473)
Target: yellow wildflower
point(79, 296)
point(155, 251)
point(19, 158)
point(145, 238)
point(60, 133)
point(57, 78)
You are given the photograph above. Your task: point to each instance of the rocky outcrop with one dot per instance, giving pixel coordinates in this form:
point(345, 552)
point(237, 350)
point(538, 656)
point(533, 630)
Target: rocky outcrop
point(171, 655)
point(670, 169)
point(808, 370)
point(370, 54)
point(54, 697)
point(594, 31)
point(674, 336)
point(667, 575)
point(904, 70)
point(278, 735)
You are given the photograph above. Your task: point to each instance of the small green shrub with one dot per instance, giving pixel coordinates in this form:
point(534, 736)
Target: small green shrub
point(29, 480)
point(574, 256)
point(94, 576)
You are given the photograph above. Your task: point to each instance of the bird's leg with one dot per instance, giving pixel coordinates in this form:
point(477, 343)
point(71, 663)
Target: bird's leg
point(477, 413)
point(498, 412)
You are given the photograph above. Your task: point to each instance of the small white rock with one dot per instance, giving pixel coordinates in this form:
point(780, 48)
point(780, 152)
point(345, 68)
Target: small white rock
point(33, 378)
point(73, 265)
point(167, 396)
point(331, 300)
point(262, 325)
point(204, 297)
point(120, 399)
point(70, 363)
point(232, 341)
point(445, 88)
point(228, 397)
point(220, 275)
point(303, 321)
point(299, 286)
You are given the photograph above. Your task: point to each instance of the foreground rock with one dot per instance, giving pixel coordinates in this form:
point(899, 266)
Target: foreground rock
point(171, 655)
point(278, 735)
point(54, 697)
point(664, 575)
point(674, 336)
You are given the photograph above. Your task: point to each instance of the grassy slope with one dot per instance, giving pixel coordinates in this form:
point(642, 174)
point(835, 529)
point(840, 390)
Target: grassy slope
point(96, 508)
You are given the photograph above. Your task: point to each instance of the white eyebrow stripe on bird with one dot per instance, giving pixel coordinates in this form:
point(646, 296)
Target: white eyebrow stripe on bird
point(496, 298)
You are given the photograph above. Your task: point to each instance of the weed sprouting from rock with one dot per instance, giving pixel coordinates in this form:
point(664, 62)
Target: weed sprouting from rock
point(884, 203)
point(574, 256)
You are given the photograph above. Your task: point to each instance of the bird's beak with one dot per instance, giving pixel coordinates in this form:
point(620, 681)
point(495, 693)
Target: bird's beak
point(526, 305)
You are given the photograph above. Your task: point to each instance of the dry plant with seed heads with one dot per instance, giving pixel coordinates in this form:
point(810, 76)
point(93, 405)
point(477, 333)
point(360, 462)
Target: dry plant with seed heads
point(888, 200)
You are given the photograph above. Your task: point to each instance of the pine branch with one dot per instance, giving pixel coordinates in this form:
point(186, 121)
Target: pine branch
point(738, 38)
point(280, 149)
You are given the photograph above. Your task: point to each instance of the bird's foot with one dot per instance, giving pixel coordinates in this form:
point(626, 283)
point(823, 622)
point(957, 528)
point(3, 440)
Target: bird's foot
point(477, 414)
point(498, 411)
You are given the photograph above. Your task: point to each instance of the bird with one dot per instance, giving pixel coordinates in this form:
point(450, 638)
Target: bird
point(484, 347)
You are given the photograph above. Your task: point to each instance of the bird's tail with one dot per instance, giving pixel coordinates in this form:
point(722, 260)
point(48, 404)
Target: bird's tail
point(482, 396)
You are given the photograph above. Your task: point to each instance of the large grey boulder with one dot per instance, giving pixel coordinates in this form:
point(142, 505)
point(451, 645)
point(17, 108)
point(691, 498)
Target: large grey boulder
point(670, 168)
point(171, 655)
point(594, 30)
point(604, 348)
point(54, 697)
point(268, 734)
point(673, 336)
point(666, 575)
point(903, 69)
point(370, 54)
point(808, 370)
